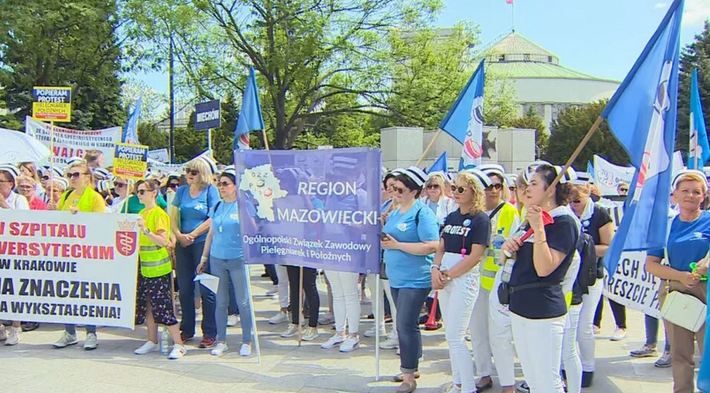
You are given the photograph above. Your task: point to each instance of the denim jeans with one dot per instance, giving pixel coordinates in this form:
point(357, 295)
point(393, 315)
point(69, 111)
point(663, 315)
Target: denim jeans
point(233, 308)
point(234, 270)
point(187, 260)
point(652, 325)
point(409, 302)
point(71, 329)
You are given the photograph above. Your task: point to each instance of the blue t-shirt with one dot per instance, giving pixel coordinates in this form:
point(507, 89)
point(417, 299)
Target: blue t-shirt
point(405, 270)
point(194, 211)
point(687, 242)
point(226, 233)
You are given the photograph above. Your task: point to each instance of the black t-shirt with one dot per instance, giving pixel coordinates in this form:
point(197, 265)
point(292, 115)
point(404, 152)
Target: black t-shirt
point(549, 301)
point(599, 218)
point(463, 230)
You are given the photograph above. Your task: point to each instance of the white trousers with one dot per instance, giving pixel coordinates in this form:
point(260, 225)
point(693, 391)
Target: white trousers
point(282, 276)
point(570, 356)
point(346, 302)
point(393, 308)
point(456, 301)
point(539, 346)
point(480, 337)
point(377, 297)
point(585, 332)
point(501, 337)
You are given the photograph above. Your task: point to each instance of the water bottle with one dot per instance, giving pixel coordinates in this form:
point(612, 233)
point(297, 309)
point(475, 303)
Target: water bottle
point(510, 260)
point(164, 345)
point(498, 241)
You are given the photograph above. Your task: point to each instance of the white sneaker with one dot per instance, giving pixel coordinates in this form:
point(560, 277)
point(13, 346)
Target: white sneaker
point(66, 340)
point(91, 341)
point(281, 317)
point(147, 348)
point(177, 352)
point(389, 344)
point(219, 349)
point(232, 320)
point(597, 330)
point(619, 334)
point(310, 334)
point(14, 337)
point(337, 339)
point(371, 332)
point(3, 332)
point(273, 291)
point(326, 319)
point(291, 331)
point(245, 350)
point(350, 344)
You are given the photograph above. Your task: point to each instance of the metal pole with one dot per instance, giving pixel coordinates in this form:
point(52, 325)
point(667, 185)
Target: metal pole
point(247, 268)
point(171, 87)
point(209, 140)
point(378, 315)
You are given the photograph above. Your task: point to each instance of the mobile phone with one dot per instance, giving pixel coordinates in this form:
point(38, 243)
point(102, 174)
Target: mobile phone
point(383, 236)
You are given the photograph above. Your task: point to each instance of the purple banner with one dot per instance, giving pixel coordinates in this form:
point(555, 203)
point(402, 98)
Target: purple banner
point(312, 208)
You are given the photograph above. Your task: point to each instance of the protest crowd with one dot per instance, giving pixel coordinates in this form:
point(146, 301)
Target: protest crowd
point(507, 266)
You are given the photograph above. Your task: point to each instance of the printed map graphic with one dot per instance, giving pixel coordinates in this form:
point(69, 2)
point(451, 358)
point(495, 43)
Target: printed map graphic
point(264, 187)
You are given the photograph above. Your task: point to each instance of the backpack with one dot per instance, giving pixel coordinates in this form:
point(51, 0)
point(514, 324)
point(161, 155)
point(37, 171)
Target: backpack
point(589, 268)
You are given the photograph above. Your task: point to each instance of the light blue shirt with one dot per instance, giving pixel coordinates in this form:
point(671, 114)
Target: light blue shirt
point(405, 270)
point(226, 232)
point(195, 211)
point(687, 242)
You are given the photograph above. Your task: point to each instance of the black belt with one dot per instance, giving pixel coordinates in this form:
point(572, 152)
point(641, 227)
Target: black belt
point(523, 287)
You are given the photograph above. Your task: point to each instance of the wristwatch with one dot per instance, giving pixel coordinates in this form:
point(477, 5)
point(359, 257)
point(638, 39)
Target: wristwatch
point(437, 267)
point(146, 231)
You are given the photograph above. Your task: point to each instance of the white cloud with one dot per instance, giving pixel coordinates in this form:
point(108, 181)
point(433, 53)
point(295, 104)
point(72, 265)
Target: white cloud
point(659, 6)
point(696, 11)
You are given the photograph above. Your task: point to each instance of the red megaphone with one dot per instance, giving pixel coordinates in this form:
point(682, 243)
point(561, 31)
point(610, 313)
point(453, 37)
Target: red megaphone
point(546, 220)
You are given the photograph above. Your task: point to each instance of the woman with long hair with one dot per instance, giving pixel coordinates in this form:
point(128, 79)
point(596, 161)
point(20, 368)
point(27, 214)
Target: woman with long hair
point(436, 199)
point(190, 222)
point(80, 197)
point(154, 299)
point(537, 300)
point(223, 250)
point(411, 236)
point(688, 243)
point(455, 272)
point(487, 339)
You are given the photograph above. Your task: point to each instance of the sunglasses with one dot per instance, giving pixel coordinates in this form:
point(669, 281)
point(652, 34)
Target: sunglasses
point(119, 185)
point(224, 184)
point(433, 186)
point(174, 185)
point(193, 172)
point(74, 175)
point(399, 190)
point(460, 190)
point(497, 187)
point(142, 192)
point(45, 178)
point(624, 189)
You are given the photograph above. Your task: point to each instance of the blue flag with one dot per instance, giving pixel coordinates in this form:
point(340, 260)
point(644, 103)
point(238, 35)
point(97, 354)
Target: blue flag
point(642, 116)
point(130, 130)
point(440, 165)
point(590, 170)
point(250, 118)
point(699, 150)
point(464, 122)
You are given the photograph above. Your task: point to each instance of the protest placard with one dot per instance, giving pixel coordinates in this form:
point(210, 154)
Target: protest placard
point(130, 161)
point(607, 176)
point(322, 219)
point(57, 267)
point(160, 155)
point(51, 103)
point(74, 143)
point(632, 286)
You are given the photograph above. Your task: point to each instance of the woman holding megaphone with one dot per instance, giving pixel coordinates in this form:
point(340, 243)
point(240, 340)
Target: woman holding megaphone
point(536, 298)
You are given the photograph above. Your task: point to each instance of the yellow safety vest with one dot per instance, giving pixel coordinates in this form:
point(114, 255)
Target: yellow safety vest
point(154, 260)
point(506, 217)
point(86, 201)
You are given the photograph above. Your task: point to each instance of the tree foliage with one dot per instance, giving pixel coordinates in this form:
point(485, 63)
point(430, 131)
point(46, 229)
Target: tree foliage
point(153, 102)
point(62, 43)
point(694, 55)
point(569, 129)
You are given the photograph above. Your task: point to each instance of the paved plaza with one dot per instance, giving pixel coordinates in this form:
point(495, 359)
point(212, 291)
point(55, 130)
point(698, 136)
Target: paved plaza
point(34, 366)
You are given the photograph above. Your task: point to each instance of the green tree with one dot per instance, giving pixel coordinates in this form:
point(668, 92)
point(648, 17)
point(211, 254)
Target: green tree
point(133, 89)
point(569, 129)
point(531, 120)
point(62, 43)
point(694, 55)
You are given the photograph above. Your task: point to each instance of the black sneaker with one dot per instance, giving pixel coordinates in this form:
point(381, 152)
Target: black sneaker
point(30, 326)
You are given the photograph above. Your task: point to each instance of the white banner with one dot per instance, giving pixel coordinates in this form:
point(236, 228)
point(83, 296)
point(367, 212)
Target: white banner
point(607, 176)
point(57, 267)
point(73, 143)
point(632, 286)
point(159, 155)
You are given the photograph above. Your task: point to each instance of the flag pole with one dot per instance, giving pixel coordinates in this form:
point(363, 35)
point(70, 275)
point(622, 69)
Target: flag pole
point(378, 314)
point(576, 152)
point(300, 304)
point(247, 269)
point(51, 159)
point(431, 143)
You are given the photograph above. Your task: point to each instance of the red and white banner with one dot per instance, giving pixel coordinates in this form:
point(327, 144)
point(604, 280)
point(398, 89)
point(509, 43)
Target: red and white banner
point(57, 267)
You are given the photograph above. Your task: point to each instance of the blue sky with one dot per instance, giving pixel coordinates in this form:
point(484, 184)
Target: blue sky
point(602, 38)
